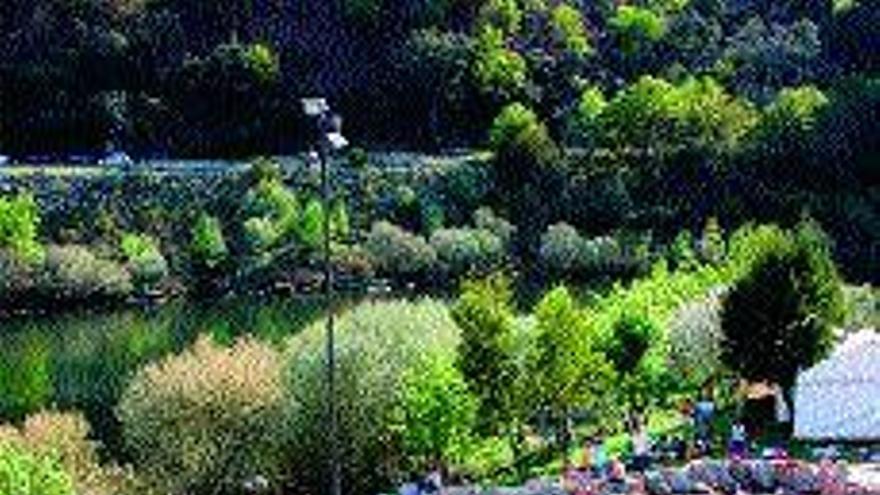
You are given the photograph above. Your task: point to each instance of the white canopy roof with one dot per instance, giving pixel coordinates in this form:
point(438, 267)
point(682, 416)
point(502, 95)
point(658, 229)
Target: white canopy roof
point(839, 398)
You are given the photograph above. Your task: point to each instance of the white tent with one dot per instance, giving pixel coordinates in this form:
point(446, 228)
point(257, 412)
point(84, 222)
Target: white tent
point(839, 398)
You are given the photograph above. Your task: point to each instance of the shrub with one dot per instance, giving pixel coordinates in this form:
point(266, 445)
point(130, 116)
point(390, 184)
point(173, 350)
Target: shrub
point(19, 221)
point(205, 420)
point(561, 248)
point(352, 260)
point(485, 314)
point(565, 252)
point(603, 254)
point(260, 235)
point(591, 104)
point(636, 25)
point(273, 205)
point(695, 340)
point(145, 261)
point(15, 275)
point(208, 247)
point(463, 251)
point(310, 231)
point(569, 27)
point(22, 473)
point(498, 69)
point(486, 219)
point(400, 397)
point(74, 273)
point(398, 253)
point(712, 247)
point(64, 437)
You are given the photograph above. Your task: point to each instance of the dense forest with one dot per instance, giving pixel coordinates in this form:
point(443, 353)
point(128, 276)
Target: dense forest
point(646, 115)
point(194, 78)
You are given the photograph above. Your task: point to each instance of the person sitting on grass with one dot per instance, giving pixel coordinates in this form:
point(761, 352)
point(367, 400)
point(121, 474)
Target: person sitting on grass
point(738, 447)
point(616, 482)
point(641, 447)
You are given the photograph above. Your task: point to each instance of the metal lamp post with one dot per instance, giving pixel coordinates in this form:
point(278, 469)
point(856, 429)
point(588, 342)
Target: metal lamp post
point(329, 139)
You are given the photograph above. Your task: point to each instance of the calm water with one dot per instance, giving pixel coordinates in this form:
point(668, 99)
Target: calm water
point(82, 360)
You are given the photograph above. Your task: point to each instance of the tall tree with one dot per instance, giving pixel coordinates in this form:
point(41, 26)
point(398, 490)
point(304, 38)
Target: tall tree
point(778, 319)
point(568, 370)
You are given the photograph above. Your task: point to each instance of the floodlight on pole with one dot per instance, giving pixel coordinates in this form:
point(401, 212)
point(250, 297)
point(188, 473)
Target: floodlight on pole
point(329, 139)
point(314, 107)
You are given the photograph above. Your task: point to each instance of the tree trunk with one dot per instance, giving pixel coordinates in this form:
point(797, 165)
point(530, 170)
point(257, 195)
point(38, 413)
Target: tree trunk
point(788, 399)
point(563, 437)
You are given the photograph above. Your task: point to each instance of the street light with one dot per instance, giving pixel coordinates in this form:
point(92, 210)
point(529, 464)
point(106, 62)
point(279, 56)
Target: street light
point(330, 138)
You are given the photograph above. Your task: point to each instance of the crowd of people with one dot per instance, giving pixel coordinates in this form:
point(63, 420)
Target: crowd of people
point(674, 465)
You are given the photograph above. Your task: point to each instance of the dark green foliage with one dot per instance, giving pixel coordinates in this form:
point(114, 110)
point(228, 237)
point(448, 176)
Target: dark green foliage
point(223, 100)
point(527, 172)
point(778, 318)
point(632, 336)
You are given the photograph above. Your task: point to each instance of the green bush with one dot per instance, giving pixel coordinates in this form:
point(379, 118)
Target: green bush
point(398, 253)
point(566, 253)
point(561, 248)
point(208, 248)
point(19, 222)
point(145, 261)
point(568, 24)
point(635, 26)
point(65, 437)
point(486, 219)
point(22, 473)
point(467, 251)
point(400, 398)
point(16, 275)
point(206, 420)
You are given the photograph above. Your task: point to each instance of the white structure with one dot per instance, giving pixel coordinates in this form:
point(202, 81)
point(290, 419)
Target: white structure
point(839, 398)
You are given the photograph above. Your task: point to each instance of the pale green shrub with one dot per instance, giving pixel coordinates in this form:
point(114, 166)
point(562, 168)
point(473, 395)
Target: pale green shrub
point(205, 420)
point(398, 253)
point(462, 251)
point(400, 397)
point(74, 272)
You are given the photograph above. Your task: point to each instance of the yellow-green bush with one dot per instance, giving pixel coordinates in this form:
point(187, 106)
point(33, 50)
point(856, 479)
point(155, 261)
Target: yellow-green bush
point(59, 443)
point(206, 420)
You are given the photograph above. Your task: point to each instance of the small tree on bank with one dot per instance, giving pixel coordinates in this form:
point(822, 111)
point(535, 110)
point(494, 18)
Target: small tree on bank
point(778, 317)
point(568, 371)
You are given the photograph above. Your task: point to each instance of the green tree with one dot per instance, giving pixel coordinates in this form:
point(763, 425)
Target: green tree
point(19, 223)
point(788, 121)
point(636, 26)
point(569, 29)
point(778, 318)
point(208, 247)
point(498, 70)
point(484, 312)
point(568, 370)
point(528, 172)
point(633, 336)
